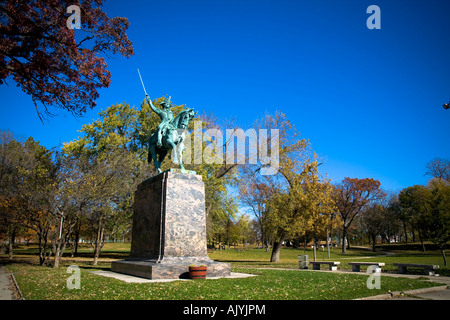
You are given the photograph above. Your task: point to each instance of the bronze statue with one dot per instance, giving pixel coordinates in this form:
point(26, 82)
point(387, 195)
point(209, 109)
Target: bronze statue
point(170, 134)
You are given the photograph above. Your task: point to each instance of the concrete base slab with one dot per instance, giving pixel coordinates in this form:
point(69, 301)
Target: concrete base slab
point(133, 279)
point(169, 268)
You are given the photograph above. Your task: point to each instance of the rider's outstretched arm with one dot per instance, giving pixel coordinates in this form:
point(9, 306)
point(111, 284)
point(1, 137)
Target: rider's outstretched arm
point(149, 101)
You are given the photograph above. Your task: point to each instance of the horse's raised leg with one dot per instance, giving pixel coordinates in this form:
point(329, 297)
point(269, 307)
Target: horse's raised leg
point(162, 154)
point(154, 157)
point(173, 146)
point(180, 148)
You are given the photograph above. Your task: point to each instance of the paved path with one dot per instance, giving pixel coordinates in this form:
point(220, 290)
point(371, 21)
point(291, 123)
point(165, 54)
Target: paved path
point(5, 291)
point(429, 295)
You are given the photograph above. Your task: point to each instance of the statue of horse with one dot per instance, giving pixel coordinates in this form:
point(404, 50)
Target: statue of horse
point(172, 138)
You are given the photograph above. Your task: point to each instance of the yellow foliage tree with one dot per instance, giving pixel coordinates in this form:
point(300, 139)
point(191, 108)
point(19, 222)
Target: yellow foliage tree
point(296, 199)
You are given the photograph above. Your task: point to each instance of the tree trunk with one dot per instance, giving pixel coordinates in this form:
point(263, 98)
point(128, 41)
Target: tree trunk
point(42, 250)
point(42, 243)
point(405, 232)
point(57, 256)
point(315, 249)
point(98, 242)
point(443, 254)
point(421, 241)
point(344, 236)
point(275, 257)
point(374, 243)
point(76, 237)
point(11, 244)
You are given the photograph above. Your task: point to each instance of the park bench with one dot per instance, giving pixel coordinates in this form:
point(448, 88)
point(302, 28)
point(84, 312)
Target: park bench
point(333, 264)
point(356, 266)
point(428, 268)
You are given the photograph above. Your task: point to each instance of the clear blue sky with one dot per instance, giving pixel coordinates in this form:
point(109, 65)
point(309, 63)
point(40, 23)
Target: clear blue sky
point(369, 101)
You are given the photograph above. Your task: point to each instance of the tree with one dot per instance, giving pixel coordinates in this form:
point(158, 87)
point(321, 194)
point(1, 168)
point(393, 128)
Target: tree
point(439, 169)
point(259, 190)
point(437, 220)
point(351, 196)
point(393, 216)
point(429, 209)
point(294, 199)
point(256, 196)
point(244, 230)
point(10, 154)
point(29, 192)
point(374, 220)
point(415, 201)
point(108, 182)
point(54, 64)
point(35, 189)
point(306, 207)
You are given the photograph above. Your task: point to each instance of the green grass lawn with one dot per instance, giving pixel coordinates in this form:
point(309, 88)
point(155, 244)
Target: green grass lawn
point(44, 282)
point(289, 258)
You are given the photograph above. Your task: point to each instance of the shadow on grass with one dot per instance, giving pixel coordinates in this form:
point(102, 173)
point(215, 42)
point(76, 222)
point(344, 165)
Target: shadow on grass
point(83, 255)
point(6, 261)
point(88, 267)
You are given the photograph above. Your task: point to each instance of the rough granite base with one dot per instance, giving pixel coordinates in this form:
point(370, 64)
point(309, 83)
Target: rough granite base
point(169, 229)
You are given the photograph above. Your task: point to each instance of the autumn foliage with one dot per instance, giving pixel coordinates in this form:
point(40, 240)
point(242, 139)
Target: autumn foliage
point(351, 196)
point(56, 65)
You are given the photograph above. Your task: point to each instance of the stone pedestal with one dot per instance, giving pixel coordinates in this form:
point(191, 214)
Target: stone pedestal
point(169, 229)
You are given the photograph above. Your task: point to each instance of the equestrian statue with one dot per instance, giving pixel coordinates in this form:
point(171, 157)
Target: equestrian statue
point(170, 133)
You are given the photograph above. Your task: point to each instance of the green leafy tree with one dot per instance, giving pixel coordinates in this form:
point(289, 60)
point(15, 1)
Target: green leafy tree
point(415, 202)
point(110, 166)
point(306, 206)
point(429, 209)
point(436, 220)
point(374, 219)
point(10, 154)
point(28, 190)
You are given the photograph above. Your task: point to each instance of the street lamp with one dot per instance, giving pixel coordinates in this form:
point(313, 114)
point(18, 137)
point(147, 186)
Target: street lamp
point(446, 105)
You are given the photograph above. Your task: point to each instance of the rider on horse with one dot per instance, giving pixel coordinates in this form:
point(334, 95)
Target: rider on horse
point(165, 114)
